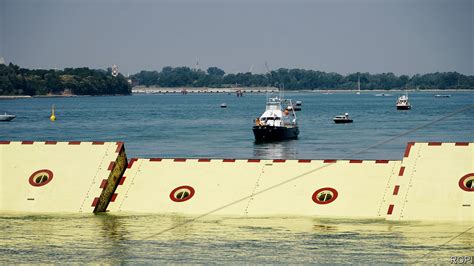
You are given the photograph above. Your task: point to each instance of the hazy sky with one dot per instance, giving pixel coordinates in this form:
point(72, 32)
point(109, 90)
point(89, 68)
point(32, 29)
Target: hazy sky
point(344, 36)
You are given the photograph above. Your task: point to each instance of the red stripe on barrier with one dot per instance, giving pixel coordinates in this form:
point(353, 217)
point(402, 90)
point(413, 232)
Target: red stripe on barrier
point(304, 161)
point(155, 159)
point(434, 143)
point(74, 143)
point(402, 170)
point(95, 201)
point(98, 143)
point(279, 160)
point(204, 160)
point(50, 142)
point(395, 190)
point(111, 166)
point(408, 148)
point(461, 144)
point(104, 183)
point(355, 161)
point(179, 160)
point(122, 180)
point(381, 161)
point(4, 142)
point(114, 196)
point(119, 146)
point(228, 160)
point(253, 160)
point(329, 161)
point(390, 209)
point(27, 142)
point(131, 162)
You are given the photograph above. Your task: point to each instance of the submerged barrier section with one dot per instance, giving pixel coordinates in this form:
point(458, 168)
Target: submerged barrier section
point(433, 181)
point(59, 176)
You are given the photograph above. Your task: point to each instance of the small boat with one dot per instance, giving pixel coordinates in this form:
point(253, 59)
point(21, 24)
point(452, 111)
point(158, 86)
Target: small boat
point(297, 105)
point(402, 103)
point(342, 119)
point(276, 123)
point(383, 95)
point(4, 116)
point(223, 105)
point(442, 96)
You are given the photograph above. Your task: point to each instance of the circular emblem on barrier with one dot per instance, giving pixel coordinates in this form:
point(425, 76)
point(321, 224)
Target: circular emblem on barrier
point(466, 182)
point(182, 193)
point(41, 177)
point(325, 195)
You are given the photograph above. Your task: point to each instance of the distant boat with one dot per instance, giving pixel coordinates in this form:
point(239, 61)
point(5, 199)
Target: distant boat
point(223, 105)
point(442, 96)
point(383, 95)
point(296, 106)
point(342, 119)
point(5, 117)
point(276, 123)
point(402, 103)
point(327, 92)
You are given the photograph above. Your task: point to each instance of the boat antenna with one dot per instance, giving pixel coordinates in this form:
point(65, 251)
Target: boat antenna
point(251, 68)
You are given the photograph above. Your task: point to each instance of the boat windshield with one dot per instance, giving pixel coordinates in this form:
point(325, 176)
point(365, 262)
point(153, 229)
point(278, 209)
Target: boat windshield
point(273, 104)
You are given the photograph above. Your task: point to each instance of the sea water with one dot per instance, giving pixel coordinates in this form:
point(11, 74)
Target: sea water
point(194, 126)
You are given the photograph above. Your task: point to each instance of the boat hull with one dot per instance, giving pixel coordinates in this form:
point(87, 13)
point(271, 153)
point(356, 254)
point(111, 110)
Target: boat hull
point(6, 118)
point(268, 133)
point(342, 121)
point(403, 107)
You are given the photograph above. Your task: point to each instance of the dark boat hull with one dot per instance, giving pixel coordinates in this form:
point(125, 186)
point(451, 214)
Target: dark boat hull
point(404, 107)
point(342, 121)
point(268, 133)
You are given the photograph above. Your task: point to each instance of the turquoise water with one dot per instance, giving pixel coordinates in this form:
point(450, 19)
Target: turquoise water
point(196, 126)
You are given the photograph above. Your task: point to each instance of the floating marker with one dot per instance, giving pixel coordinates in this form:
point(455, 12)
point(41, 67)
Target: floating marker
point(52, 117)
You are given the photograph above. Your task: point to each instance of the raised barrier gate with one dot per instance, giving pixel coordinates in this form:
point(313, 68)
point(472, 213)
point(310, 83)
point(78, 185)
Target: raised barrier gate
point(433, 181)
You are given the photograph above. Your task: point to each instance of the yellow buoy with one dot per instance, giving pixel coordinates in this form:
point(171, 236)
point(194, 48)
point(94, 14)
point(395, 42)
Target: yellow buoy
point(52, 117)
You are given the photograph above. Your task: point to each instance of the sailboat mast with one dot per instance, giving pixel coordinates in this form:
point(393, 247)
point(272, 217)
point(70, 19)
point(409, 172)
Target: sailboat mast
point(358, 83)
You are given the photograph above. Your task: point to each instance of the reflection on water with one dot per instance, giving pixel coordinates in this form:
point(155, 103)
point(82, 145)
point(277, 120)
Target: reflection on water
point(131, 238)
point(276, 150)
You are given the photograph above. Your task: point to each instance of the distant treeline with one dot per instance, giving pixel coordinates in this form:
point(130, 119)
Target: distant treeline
point(79, 81)
point(294, 79)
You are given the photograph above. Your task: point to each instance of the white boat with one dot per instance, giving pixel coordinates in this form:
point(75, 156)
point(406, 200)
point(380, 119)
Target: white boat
point(277, 122)
point(442, 96)
point(383, 95)
point(402, 103)
point(342, 119)
point(4, 116)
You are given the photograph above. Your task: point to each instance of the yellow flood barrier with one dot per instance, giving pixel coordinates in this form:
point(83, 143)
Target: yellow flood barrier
point(59, 176)
point(434, 182)
point(347, 188)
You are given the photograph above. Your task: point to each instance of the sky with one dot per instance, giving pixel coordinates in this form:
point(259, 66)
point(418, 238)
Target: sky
point(343, 36)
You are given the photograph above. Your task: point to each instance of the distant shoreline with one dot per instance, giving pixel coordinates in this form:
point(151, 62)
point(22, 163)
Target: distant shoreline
point(225, 90)
point(204, 90)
